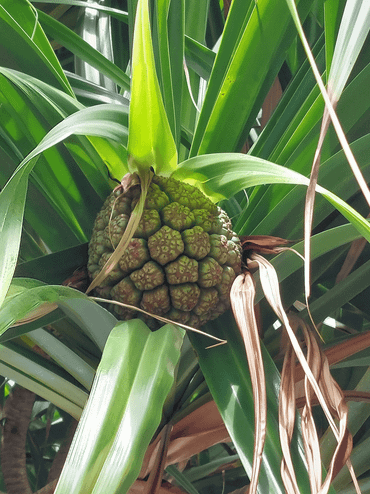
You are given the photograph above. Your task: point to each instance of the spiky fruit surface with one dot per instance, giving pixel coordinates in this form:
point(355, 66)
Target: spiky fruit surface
point(181, 261)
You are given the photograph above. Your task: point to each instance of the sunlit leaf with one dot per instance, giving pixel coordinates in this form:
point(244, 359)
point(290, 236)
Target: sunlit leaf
point(120, 419)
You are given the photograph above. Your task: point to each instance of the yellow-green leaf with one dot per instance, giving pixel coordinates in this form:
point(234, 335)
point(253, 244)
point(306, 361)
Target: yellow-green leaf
point(150, 140)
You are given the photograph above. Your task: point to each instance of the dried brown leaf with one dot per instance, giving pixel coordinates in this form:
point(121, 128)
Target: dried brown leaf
point(309, 433)
point(264, 244)
point(334, 398)
point(129, 232)
point(353, 254)
point(242, 303)
point(341, 351)
point(349, 395)
point(41, 311)
point(154, 481)
point(270, 286)
point(287, 419)
point(196, 432)
point(310, 201)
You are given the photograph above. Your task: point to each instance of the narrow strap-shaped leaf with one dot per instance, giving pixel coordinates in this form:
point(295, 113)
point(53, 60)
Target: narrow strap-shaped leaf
point(83, 50)
point(12, 203)
point(22, 37)
point(13, 196)
point(238, 74)
point(28, 299)
point(199, 57)
point(116, 13)
point(37, 369)
point(29, 381)
point(168, 39)
point(64, 356)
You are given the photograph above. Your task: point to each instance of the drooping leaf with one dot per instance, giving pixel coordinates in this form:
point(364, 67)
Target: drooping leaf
point(25, 44)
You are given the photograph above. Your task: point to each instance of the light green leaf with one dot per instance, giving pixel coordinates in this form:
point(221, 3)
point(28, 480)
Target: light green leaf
point(150, 140)
point(12, 202)
point(332, 11)
point(124, 409)
point(25, 299)
point(199, 57)
point(63, 356)
point(29, 380)
point(54, 385)
point(352, 33)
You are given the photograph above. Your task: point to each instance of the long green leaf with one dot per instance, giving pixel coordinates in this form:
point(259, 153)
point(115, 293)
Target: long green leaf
point(12, 202)
point(44, 374)
point(12, 197)
point(116, 13)
point(120, 417)
point(83, 50)
point(30, 298)
point(29, 381)
point(226, 371)
point(26, 45)
point(168, 45)
point(156, 146)
point(251, 35)
point(352, 33)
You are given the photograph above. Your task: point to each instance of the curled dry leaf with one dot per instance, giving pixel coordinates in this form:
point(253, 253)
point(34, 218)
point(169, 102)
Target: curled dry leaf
point(341, 351)
point(270, 286)
point(353, 254)
point(264, 244)
point(327, 392)
point(242, 302)
point(287, 410)
point(349, 395)
point(130, 229)
point(335, 399)
point(308, 427)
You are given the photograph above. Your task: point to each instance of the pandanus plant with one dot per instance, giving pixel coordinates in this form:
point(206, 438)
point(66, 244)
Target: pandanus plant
point(162, 338)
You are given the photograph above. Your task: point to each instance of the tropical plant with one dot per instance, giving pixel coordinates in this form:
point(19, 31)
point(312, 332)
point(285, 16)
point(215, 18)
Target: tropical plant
point(180, 88)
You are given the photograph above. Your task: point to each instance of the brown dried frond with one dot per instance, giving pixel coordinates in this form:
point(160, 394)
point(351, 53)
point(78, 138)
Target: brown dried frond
point(242, 303)
point(196, 432)
point(335, 401)
point(317, 381)
point(154, 482)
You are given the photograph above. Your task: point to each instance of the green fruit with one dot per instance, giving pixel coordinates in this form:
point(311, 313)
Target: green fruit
point(181, 261)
